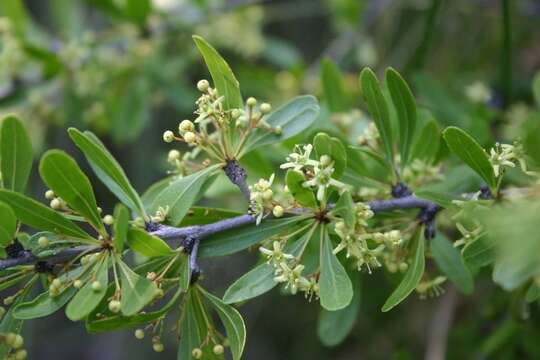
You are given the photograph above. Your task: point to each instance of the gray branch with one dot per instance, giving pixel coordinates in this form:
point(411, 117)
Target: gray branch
point(199, 232)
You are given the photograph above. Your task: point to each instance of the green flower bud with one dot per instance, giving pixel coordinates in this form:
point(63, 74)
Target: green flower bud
point(56, 283)
point(235, 113)
point(186, 125)
point(96, 285)
point(77, 284)
point(43, 241)
point(17, 342)
point(251, 102)
point(196, 353)
point(139, 334)
point(218, 349)
point(267, 194)
point(108, 220)
point(168, 136)
point(173, 155)
point(203, 85)
point(49, 195)
point(114, 306)
point(265, 108)
point(278, 130)
point(278, 211)
point(21, 354)
point(325, 160)
point(56, 204)
point(158, 347)
point(190, 137)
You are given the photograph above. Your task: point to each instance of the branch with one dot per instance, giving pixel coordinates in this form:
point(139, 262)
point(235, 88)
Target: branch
point(237, 174)
point(191, 235)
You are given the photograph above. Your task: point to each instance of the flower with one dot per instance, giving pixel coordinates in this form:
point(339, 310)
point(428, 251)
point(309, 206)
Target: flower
point(299, 159)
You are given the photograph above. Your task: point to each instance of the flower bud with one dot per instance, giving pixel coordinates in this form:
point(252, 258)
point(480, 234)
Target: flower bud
point(235, 113)
point(267, 194)
point(151, 276)
point(196, 353)
point(158, 347)
point(114, 306)
point(278, 211)
point(278, 130)
point(56, 283)
point(56, 204)
point(168, 136)
point(43, 241)
point(265, 108)
point(218, 349)
point(49, 195)
point(77, 284)
point(173, 155)
point(17, 342)
point(139, 334)
point(203, 85)
point(325, 160)
point(21, 354)
point(96, 285)
point(190, 137)
point(186, 125)
point(251, 102)
point(108, 220)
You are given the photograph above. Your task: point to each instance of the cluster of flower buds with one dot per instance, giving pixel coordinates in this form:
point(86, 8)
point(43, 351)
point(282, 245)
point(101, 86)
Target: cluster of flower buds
point(420, 172)
point(288, 272)
point(368, 249)
point(15, 343)
point(318, 173)
point(218, 131)
point(263, 200)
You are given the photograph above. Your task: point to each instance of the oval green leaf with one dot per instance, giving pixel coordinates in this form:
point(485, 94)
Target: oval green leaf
point(451, 263)
point(252, 284)
point(147, 245)
point(15, 154)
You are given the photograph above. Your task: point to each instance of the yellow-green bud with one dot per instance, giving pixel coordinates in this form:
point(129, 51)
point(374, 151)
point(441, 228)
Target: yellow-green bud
point(56, 283)
point(21, 354)
point(159, 293)
point(139, 334)
point(235, 113)
point(49, 195)
point(56, 204)
point(267, 194)
point(17, 342)
point(203, 85)
point(96, 285)
point(8, 300)
point(278, 130)
point(151, 276)
point(158, 347)
point(278, 211)
point(173, 155)
point(114, 306)
point(186, 125)
point(108, 220)
point(251, 102)
point(10, 337)
point(43, 241)
point(168, 136)
point(325, 160)
point(265, 108)
point(77, 284)
point(190, 137)
point(196, 353)
point(218, 349)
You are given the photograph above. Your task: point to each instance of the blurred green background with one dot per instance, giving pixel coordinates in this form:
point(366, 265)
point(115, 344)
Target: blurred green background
point(127, 70)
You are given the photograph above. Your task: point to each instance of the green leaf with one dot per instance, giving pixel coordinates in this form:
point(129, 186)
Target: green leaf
point(39, 216)
point(234, 240)
point(15, 154)
point(412, 276)
point(107, 169)
point(334, 326)
point(345, 209)
point(233, 323)
point(252, 284)
point(147, 245)
point(378, 108)
point(43, 305)
point(449, 260)
point(427, 142)
point(405, 106)
point(119, 322)
point(137, 291)
point(120, 227)
point(8, 224)
point(479, 253)
point(294, 117)
point(224, 79)
point(333, 147)
point(336, 290)
point(303, 195)
point(62, 174)
point(194, 327)
point(333, 87)
point(468, 150)
point(87, 299)
point(181, 194)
